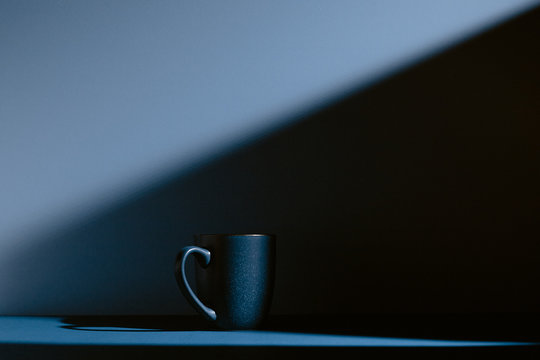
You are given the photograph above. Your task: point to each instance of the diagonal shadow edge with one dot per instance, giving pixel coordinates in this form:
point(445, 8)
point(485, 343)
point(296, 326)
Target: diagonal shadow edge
point(275, 124)
point(404, 176)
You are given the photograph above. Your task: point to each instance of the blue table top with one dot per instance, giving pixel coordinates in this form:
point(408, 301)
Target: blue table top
point(16, 330)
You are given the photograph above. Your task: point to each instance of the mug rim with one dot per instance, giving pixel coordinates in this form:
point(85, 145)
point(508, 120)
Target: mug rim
point(237, 234)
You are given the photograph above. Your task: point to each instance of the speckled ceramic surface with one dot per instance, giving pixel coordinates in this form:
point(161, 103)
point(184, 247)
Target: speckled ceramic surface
point(234, 276)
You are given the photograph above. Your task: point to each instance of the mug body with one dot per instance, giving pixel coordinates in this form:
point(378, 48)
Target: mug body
point(238, 282)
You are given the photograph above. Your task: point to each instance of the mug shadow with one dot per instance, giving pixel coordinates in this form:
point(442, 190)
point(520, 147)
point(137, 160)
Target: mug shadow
point(136, 323)
point(453, 327)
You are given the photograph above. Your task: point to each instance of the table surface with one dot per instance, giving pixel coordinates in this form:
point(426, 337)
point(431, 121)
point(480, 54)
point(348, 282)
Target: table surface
point(19, 334)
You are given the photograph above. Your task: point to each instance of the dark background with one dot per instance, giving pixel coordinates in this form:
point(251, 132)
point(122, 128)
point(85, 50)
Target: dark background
point(418, 194)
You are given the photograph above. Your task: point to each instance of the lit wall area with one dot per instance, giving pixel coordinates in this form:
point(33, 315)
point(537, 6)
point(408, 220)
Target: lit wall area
point(391, 146)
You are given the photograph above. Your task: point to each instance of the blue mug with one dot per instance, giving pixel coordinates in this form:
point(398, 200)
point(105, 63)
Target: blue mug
point(235, 278)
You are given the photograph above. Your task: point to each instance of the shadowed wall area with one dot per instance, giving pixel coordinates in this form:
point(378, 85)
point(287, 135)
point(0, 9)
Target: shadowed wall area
point(418, 194)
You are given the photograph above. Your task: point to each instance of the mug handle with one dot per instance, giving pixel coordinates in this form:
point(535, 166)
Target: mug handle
point(180, 273)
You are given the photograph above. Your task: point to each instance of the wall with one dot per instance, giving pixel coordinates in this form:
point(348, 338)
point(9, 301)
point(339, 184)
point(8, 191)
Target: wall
point(420, 188)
